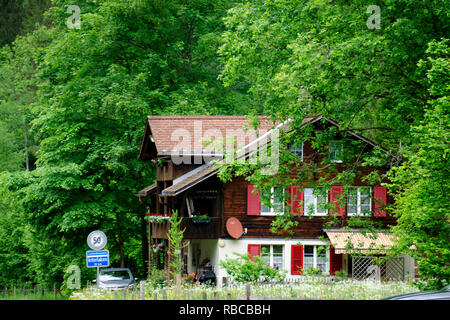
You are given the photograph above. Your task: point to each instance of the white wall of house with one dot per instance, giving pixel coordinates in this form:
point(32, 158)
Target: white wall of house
point(227, 248)
point(208, 250)
point(217, 250)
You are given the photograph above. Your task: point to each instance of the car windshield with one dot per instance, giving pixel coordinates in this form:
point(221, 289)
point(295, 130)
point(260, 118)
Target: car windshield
point(446, 288)
point(116, 275)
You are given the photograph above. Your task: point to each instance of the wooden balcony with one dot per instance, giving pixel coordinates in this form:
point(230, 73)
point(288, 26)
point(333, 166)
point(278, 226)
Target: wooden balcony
point(208, 230)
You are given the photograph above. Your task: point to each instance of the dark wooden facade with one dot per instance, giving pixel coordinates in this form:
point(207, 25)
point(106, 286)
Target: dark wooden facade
point(235, 199)
point(231, 201)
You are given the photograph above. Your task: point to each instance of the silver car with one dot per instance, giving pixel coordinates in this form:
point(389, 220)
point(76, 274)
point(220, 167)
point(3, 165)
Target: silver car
point(443, 294)
point(115, 278)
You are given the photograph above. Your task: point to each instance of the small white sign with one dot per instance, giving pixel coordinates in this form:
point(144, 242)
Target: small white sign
point(97, 240)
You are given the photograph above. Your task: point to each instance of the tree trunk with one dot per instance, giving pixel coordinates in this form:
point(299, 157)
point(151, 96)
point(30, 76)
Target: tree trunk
point(25, 136)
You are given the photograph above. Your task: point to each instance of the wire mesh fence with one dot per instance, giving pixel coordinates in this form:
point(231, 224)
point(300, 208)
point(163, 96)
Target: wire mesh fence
point(376, 268)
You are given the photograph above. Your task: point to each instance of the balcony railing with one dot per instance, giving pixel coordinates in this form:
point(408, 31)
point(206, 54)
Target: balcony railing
point(196, 229)
point(206, 229)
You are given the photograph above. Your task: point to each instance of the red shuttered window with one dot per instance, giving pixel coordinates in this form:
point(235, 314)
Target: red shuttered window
point(254, 250)
point(253, 202)
point(296, 201)
point(380, 196)
point(335, 261)
point(296, 259)
point(335, 192)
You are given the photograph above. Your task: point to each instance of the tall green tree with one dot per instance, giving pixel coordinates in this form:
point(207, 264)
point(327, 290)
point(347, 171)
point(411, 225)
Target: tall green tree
point(129, 59)
point(358, 64)
point(18, 17)
point(19, 83)
point(421, 184)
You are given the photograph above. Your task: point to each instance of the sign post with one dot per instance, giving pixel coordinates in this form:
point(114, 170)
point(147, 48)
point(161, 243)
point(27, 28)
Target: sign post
point(97, 257)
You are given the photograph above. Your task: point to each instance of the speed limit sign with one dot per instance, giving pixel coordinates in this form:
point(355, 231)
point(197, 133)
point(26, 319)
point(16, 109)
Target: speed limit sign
point(97, 240)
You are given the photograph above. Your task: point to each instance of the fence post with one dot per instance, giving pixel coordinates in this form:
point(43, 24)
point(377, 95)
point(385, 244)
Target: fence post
point(24, 290)
point(54, 292)
point(228, 296)
point(247, 291)
point(14, 291)
point(191, 295)
point(35, 291)
point(125, 293)
point(204, 296)
point(164, 294)
point(142, 290)
point(115, 295)
point(155, 296)
point(6, 293)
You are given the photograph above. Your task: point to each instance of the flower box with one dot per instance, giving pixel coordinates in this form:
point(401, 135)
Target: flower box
point(157, 218)
point(201, 219)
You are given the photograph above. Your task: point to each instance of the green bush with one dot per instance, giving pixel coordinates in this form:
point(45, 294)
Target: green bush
point(312, 272)
point(244, 269)
point(341, 275)
point(158, 279)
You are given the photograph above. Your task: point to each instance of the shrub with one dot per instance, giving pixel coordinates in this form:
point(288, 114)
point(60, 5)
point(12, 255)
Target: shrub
point(158, 279)
point(244, 269)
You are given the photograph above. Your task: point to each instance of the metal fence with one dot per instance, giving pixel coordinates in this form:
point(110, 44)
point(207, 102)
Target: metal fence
point(376, 268)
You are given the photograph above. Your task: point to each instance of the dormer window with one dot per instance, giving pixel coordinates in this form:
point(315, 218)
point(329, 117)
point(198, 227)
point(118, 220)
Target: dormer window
point(297, 149)
point(336, 151)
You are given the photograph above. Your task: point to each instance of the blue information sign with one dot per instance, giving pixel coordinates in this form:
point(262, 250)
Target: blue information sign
point(97, 258)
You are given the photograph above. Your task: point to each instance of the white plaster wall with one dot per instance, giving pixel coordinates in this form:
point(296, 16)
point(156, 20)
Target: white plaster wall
point(208, 249)
point(241, 246)
point(212, 249)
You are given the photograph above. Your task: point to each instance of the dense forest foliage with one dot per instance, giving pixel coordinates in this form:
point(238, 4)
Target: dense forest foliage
point(74, 100)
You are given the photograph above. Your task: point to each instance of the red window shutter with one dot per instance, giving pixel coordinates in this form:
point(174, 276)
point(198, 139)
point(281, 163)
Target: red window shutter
point(253, 202)
point(296, 201)
point(254, 250)
point(335, 261)
point(380, 196)
point(296, 259)
point(336, 191)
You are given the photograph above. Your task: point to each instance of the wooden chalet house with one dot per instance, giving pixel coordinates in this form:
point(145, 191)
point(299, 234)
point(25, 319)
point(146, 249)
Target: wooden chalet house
point(187, 181)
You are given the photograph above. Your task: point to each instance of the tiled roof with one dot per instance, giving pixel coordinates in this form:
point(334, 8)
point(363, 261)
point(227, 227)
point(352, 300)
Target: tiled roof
point(188, 134)
point(207, 170)
point(198, 126)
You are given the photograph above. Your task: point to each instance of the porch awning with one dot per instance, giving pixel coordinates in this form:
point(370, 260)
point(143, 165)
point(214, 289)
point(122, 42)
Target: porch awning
point(359, 241)
point(147, 191)
point(190, 179)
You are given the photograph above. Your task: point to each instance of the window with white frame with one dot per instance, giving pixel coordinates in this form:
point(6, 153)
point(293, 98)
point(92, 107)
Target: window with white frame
point(336, 151)
point(276, 198)
point(315, 257)
point(315, 201)
point(297, 149)
point(272, 255)
point(359, 202)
